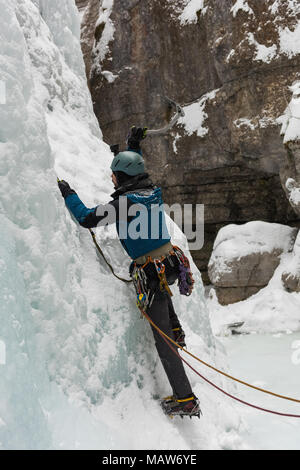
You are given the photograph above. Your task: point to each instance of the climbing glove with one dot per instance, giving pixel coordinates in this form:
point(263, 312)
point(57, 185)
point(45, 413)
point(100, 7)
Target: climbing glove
point(65, 188)
point(136, 135)
point(115, 149)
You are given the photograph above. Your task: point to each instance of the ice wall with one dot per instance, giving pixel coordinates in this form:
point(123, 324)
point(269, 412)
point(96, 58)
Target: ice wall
point(67, 324)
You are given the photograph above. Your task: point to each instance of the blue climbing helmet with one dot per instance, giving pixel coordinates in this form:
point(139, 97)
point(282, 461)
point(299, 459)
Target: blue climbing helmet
point(129, 162)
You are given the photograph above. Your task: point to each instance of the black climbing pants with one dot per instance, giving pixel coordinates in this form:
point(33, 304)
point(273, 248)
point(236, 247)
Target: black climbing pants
point(162, 313)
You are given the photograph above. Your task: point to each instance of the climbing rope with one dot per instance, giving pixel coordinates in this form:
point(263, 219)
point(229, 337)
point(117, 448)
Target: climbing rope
point(128, 281)
point(266, 410)
point(214, 368)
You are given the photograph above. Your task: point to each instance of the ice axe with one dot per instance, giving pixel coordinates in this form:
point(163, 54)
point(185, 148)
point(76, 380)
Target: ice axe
point(179, 113)
point(149, 132)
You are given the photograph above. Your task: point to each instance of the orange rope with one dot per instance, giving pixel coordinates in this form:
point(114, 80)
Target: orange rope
point(214, 368)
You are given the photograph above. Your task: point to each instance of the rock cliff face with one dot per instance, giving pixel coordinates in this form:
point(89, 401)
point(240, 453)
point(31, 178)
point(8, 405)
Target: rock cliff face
point(230, 63)
point(81, 4)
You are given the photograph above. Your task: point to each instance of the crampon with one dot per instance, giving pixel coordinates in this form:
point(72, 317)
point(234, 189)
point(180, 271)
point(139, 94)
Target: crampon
point(186, 407)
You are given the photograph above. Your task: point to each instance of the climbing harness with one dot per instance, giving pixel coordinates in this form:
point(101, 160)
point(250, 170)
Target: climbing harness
point(185, 279)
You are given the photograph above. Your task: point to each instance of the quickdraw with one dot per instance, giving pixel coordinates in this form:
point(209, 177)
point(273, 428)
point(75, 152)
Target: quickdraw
point(163, 283)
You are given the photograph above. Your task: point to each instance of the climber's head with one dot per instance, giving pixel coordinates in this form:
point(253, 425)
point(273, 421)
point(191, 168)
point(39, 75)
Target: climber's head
point(126, 165)
point(120, 179)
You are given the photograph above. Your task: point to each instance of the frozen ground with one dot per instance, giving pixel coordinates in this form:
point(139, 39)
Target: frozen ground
point(271, 362)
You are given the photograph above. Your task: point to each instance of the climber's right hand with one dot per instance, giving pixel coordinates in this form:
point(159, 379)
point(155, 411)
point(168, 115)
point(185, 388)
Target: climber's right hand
point(136, 135)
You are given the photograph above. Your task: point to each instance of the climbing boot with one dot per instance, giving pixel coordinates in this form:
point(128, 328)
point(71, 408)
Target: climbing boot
point(189, 406)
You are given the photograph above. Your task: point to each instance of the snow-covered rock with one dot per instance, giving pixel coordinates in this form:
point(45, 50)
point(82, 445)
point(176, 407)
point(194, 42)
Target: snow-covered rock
point(290, 130)
point(290, 176)
point(245, 257)
point(290, 120)
point(273, 309)
point(291, 276)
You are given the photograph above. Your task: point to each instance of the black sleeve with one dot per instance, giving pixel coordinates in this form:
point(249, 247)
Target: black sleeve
point(106, 214)
point(102, 215)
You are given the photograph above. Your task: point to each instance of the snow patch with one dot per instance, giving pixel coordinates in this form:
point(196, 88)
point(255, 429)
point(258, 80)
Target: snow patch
point(101, 48)
point(290, 41)
point(266, 121)
point(244, 122)
point(294, 191)
point(195, 115)
point(192, 8)
point(110, 77)
point(236, 241)
point(290, 120)
point(241, 5)
point(274, 7)
point(176, 138)
point(230, 55)
point(291, 6)
point(263, 53)
point(254, 123)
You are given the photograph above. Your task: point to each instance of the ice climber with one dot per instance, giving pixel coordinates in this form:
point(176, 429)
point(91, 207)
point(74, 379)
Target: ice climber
point(156, 263)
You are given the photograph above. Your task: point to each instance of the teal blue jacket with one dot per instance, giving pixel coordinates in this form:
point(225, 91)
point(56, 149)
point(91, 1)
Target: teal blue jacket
point(140, 231)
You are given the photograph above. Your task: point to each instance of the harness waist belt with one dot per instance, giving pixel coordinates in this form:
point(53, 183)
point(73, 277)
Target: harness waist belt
point(163, 250)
